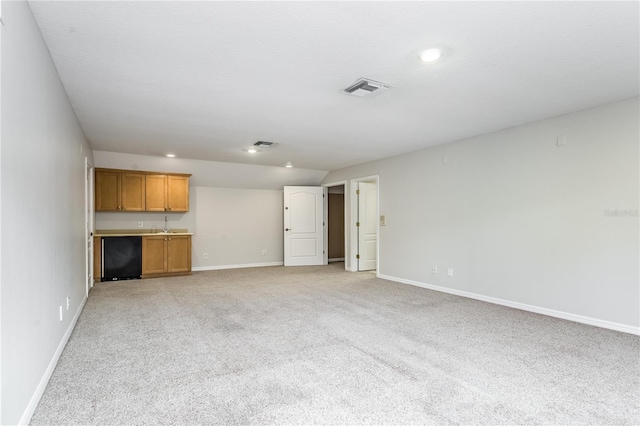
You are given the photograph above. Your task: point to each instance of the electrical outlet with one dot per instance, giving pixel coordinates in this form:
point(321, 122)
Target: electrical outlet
point(450, 272)
point(205, 255)
point(140, 224)
point(434, 270)
point(60, 312)
point(264, 252)
point(68, 303)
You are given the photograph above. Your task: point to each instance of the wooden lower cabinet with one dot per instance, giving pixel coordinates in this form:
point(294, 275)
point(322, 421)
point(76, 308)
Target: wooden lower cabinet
point(166, 255)
point(179, 254)
point(154, 255)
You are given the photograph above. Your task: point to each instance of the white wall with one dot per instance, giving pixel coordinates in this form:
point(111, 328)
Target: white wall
point(43, 214)
point(233, 226)
point(214, 174)
point(521, 219)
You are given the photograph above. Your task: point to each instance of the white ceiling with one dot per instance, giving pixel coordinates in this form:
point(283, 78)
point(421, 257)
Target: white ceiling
point(206, 79)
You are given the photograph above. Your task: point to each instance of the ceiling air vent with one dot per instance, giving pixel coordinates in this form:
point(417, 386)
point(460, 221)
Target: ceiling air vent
point(264, 144)
point(365, 87)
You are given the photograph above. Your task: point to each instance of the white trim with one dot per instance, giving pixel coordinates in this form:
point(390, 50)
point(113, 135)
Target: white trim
point(35, 399)
point(336, 259)
point(244, 265)
point(522, 306)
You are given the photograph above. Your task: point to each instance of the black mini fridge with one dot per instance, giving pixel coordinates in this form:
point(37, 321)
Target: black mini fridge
point(121, 258)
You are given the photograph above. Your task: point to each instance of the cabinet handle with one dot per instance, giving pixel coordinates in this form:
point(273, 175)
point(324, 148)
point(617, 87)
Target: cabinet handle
point(119, 207)
point(169, 238)
point(169, 208)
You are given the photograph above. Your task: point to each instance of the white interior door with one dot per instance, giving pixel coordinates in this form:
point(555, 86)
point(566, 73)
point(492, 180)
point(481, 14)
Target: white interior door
point(368, 226)
point(303, 227)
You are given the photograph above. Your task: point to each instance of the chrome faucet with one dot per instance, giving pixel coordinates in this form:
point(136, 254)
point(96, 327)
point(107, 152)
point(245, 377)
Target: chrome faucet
point(166, 229)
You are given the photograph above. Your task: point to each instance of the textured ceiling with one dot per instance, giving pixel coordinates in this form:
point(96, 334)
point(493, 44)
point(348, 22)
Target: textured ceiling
point(206, 79)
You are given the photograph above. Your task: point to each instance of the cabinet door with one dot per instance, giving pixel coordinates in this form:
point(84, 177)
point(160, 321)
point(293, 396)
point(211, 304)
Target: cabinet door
point(179, 253)
point(132, 192)
point(107, 191)
point(156, 193)
point(154, 255)
point(177, 193)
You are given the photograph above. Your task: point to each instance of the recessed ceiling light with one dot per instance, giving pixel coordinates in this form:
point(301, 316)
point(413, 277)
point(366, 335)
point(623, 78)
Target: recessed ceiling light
point(171, 155)
point(430, 55)
point(252, 150)
point(288, 165)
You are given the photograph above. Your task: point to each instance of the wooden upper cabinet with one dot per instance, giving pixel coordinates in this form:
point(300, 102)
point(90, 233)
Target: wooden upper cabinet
point(132, 188)
point(167, 193)
point(156, 193)
point(177, 193)
point(119, 191)
point(128, 190)
point(107, 190)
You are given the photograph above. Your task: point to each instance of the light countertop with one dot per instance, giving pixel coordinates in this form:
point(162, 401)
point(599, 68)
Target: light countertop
point(137, 232)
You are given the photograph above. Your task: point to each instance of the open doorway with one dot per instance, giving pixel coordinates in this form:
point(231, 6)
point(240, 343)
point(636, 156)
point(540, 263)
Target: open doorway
point(335, 223)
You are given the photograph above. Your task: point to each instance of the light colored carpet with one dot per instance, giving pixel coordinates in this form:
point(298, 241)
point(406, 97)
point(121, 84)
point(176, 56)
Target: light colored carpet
point(317, 345)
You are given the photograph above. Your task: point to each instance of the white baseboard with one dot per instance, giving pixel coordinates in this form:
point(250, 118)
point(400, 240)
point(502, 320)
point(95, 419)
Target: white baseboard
point(35, 399)
point(244, 265)
point(522, 306)
point(336, 259)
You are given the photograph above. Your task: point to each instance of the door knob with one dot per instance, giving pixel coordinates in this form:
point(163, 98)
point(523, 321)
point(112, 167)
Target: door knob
point(287, 229)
